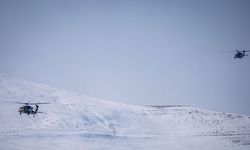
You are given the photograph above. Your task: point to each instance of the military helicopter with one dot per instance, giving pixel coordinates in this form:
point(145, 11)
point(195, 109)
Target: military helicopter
point(239, 53)
point(27, 109)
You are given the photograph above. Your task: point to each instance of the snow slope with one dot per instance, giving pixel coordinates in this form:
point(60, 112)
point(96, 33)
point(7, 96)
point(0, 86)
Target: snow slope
point(74, 121)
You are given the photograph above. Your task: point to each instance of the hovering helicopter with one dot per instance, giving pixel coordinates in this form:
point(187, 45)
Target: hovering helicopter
point(239, 53)
point(26, 108)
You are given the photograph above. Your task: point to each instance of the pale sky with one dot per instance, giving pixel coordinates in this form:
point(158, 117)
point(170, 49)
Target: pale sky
point(132, 51)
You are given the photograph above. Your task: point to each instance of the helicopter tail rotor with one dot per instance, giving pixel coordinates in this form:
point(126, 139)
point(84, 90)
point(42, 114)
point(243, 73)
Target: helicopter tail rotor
point(36, 108)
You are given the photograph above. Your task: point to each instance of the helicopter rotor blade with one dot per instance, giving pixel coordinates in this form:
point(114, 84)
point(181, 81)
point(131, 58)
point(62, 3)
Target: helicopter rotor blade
point(36, 103)
point(42, 103)
point(228, 51)
point(16, 102)
point(237, 50)
point(27, 103)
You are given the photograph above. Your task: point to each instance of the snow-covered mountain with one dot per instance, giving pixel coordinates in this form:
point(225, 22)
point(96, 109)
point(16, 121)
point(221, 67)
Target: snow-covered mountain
point(74, 121)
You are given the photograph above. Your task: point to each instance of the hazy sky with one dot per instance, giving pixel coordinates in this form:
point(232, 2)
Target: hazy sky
point(138, 51)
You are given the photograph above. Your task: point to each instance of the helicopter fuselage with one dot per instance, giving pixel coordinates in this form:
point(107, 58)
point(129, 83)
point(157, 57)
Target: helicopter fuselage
point(239, 55)
point(27, 109)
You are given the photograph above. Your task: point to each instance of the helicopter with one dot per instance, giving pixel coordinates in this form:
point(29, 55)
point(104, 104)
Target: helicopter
point(239, 53)
point(28, 109)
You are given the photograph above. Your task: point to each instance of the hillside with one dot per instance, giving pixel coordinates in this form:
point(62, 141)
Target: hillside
point(73, 121)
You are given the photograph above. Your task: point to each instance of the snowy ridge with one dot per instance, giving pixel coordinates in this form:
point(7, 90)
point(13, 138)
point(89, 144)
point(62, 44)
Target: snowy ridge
point(80, 115)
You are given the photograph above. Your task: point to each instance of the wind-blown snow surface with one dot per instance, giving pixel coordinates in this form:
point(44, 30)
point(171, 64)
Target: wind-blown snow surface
point(74, 121)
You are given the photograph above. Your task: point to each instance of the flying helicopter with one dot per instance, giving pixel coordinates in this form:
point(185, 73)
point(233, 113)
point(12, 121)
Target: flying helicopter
point(28, 109)
point(239, 53)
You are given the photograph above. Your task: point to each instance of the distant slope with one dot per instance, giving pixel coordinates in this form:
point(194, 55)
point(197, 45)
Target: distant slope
point(74, 112)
